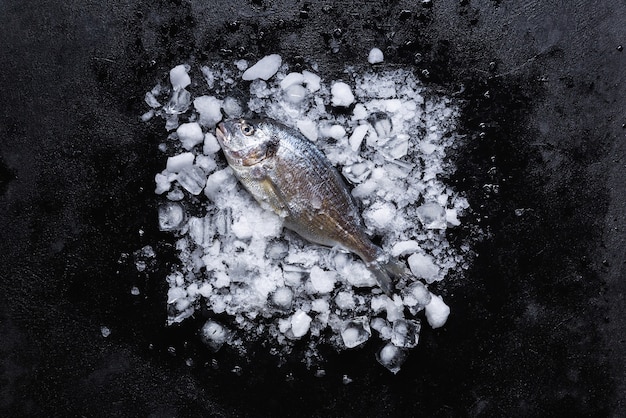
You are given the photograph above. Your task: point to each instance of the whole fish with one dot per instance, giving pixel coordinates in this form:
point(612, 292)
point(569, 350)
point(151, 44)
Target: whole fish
point(286, 173)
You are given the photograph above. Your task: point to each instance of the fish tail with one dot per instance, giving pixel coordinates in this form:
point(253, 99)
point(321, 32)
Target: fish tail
point(387, 272)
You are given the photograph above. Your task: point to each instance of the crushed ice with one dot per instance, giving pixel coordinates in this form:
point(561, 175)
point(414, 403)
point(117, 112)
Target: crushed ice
point(385, 132)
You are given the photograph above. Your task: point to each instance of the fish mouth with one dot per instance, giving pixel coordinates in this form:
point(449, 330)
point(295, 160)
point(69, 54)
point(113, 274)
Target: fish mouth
point(220, 132)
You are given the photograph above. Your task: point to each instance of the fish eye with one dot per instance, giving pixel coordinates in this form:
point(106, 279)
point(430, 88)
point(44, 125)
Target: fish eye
point(247, 129)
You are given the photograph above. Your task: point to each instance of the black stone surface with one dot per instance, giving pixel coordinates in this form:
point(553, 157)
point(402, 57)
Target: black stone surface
point(538, 324)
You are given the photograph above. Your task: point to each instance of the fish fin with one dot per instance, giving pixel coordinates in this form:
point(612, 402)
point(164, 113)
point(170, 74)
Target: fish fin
point(387, 272)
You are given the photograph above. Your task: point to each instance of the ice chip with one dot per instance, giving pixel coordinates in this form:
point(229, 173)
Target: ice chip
point(415, 297)
point(405, 333)
point(375, 56)
point(432, 216)
point(179, 77)
point(209, 108)
point(282, 298)
point(437, 312)
point(355, 332)
point(381, 122)
point(311, 80)
point(396, 147)
point(291, 79)
point(404, 247)
point(295, 94)
point(265, 68)
point(211, 146)
point(357, 173)
point(341, 94)
point(214, 334)
point(190, 135)
point(171, 216)
point(423, 266)
point(231, 107)
point(308, 129)
point(392, 357)
point(179, 102)
point(192, 179)
point(321, 280)
point(300, 323)
point(151, 100)
point(179, 162)
point(105, 331)
point(357, 137)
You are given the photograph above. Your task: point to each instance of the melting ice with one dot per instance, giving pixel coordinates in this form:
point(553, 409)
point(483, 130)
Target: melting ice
point(384, 131)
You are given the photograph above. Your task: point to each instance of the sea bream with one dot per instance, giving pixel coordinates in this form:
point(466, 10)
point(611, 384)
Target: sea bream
point(286, 173)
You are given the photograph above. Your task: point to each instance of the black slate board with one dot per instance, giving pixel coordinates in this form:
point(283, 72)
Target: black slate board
point(538, 323)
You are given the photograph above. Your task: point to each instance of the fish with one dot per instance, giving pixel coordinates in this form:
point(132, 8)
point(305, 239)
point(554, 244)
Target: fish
point(288, 174)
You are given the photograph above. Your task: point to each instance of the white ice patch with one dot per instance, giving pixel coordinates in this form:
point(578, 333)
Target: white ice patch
point(375, 56)
point(264, 69)
point(341, 94)
point(237, 263)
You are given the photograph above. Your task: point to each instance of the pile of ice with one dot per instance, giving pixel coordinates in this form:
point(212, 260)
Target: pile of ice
point(384, 131)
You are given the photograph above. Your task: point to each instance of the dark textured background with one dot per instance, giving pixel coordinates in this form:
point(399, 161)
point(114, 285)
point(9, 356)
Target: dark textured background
point(538, 325)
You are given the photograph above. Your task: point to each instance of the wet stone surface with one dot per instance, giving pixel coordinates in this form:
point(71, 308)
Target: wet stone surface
point(537, 324)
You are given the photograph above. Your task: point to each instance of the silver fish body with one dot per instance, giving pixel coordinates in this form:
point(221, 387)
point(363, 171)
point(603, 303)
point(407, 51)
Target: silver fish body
point(287, 174)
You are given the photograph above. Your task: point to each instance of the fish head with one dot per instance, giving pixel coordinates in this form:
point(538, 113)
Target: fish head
point(246, 142)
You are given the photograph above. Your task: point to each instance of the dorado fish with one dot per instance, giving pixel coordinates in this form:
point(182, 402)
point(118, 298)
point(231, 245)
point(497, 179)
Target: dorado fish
point(286, 173)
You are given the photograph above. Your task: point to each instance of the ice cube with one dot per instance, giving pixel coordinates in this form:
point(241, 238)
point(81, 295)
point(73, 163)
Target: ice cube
point(308, 129)
point(192, 179)
point(282, 297)
point(405, 333)
point(210, 146)
point(341, 94)
point(265, 68)
point(432, 216)
point(357, 173)
point(179, 162)
point(219, 182)
point(209, 109)
point(437, 312)
point(179, 77)
point(311, 80)
point(151, 100)
point(291, 79)
point(452, 217)
point(379, 215)
point(404, 247)
point(357, 137)
point(423, 266)
point(163, 183)
point(300, 323)
point(392, 357)
point(322, 281)
point(344, 300)
point(179, 102)
point(171, 216)
point(214, 334)
point(190, 135)
point(355, 332)
point(295, 94)
point(396, 147)
point(415, 297)
point(381, 122)
point(231, 107)
point(375, 56)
